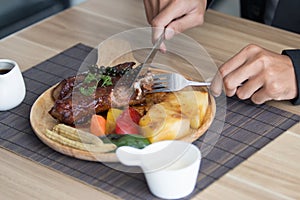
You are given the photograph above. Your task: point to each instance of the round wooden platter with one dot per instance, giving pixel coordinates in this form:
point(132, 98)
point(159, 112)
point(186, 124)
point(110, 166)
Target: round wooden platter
point(41, 120)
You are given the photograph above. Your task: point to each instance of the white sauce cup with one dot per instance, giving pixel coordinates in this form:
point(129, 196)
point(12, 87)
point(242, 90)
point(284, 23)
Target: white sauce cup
point(171, 167)
point(12, 86)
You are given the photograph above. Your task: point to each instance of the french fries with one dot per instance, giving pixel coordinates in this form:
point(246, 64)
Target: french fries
point(78, 139)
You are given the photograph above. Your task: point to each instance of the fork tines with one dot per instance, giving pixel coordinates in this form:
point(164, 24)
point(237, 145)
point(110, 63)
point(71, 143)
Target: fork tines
point(169, 82)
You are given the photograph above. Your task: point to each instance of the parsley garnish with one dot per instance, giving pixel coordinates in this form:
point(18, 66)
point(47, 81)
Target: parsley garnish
point(87, 91)
point(106, 80)
point(90, 77)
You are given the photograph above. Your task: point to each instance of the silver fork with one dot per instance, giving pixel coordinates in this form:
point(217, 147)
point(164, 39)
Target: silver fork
point(173, 82)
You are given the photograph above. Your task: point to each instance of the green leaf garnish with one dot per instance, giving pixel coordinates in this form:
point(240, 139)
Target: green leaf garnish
point(91, 77)
point(106, 80)
point(87, 91)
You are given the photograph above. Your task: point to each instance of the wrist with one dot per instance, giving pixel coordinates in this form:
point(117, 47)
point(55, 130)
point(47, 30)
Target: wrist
point(294, 55)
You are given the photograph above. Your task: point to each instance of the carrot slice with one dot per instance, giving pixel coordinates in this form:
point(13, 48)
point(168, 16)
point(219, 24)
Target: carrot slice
point(97, 126)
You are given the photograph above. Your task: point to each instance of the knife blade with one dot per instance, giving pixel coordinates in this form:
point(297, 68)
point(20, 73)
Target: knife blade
point(138, 70)
point(154, 49)
point(127, 81)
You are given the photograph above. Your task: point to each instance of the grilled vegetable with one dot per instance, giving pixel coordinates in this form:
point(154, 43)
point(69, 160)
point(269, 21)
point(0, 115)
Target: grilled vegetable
point(132, 140)
point(76, 134)
point(193, 105)
point(163, 122)
point(111, 119)
point(97, 126)
point(175, 116)
point(127, 122)
point(78, 139)
point(79, 145)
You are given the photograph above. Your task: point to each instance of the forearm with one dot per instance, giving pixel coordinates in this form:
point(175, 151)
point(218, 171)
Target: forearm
point(295, 57)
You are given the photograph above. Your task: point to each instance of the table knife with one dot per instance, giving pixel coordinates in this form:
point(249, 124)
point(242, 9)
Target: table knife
point(127, 81)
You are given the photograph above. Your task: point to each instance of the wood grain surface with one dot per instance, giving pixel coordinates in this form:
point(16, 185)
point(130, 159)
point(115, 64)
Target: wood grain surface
point(272, 173)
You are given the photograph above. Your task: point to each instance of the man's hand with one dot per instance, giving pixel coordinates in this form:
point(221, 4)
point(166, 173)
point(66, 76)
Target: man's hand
point(175, 16)
point(258, 74)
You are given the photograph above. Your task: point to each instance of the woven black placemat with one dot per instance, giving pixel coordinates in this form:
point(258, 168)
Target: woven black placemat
point(247, 129)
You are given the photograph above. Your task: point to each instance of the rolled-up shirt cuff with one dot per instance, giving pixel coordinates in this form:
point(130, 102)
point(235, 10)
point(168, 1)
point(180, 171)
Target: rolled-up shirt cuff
point(294, 55)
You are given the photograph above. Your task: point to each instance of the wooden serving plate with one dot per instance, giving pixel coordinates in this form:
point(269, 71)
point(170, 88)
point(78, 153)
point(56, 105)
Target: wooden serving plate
point(41, 120)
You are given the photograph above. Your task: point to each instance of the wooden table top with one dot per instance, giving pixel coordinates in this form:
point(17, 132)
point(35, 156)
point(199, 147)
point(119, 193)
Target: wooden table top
point(271, 173)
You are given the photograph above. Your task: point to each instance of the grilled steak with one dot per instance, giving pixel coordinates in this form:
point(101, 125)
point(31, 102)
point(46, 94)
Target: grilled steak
point(74, 103)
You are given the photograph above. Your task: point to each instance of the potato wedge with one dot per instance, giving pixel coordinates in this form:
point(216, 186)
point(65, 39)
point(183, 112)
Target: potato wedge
point(193, 104)
point(163, 123)
point(175, 116)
